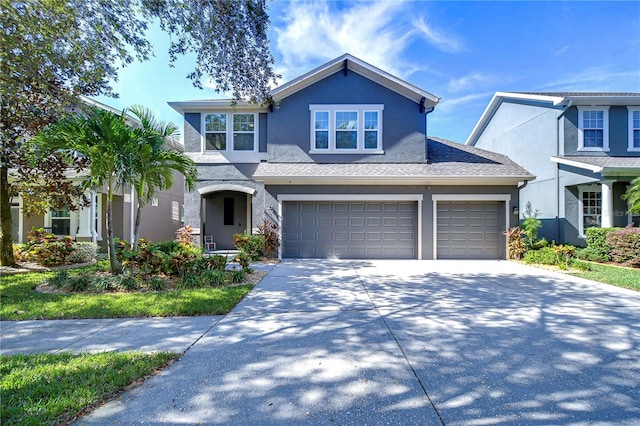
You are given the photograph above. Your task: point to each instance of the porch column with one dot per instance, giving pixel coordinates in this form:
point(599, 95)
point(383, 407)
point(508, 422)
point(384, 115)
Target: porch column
point(607, 203)
point(84, 219)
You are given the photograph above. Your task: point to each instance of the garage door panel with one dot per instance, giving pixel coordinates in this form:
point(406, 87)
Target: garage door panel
point(470, 230)
point(350, 229)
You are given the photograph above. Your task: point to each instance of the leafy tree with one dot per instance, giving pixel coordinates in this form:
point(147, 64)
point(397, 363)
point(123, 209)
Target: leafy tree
point(632, 196)
point(109, 144)
point(156, 162)
point(53, 51)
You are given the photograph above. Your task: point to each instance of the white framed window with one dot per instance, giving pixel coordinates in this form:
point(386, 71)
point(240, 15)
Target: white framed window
point(61, 221)
point(229, 132)
point(590, 207)
point(338, 129)
point(154, 202)
point(634, 129)
point(593, 128)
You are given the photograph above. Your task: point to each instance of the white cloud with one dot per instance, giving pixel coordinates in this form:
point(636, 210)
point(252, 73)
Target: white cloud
point(562, 50)
point(376, 32)
point(467, 81)
point(441, 41)
point(448, 105)
point(599, 78)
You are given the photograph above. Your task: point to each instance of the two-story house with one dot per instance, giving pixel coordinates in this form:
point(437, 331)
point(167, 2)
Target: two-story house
point(584, 149)
point(341, 162)
point(160, 218)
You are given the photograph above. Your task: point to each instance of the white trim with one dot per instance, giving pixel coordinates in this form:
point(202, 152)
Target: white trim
point(630, 146)
point(352, 197)
point(593, 187)
point(578, 164)
point(332, 110)
point(226, 187)
point(467, 197)
point(605, 128)
point(229, 149)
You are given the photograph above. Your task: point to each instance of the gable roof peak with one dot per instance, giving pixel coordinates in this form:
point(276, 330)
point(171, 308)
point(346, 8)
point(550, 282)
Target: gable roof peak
point(349, 62)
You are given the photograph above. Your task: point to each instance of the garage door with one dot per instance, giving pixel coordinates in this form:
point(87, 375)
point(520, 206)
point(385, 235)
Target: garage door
point(470, 230)
point(350, 230)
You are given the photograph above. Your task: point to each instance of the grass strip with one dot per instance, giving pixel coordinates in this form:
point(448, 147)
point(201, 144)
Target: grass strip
point(20, 301)
point(53, 388)
point(608, 274)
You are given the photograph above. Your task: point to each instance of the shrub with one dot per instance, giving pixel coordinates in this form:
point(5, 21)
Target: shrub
point(126, 282)
point(237, 276)
point(59, 280)
point(243, 259)
point(268, 231)
point(564, 251)
point(625, 246)
point(545, 256)
point(515, 243)
point(252, 245)
point(597, 240)
point(80, 283)
point(184, 235)
point(217, 262)
point(156, 284)
point(213, 278)
point(103, 284)
point(192, 281)
point(83, 252)
point(591, 254)
point(46, 249)
point(530, 225)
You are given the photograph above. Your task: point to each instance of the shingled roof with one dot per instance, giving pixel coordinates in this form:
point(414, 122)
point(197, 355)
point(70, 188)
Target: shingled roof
point(600, 164)
point(448, 162)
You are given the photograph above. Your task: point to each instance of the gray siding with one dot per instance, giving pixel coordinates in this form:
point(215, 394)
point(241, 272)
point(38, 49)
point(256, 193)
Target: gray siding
point(618, 133)
point(192, 140)
point(404, 127)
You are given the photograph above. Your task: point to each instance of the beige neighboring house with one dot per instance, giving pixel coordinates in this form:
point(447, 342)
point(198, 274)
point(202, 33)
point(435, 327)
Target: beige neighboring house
point(160, 218)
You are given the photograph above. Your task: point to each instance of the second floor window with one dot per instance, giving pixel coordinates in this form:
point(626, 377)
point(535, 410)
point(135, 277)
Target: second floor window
point(229, 132)
point(634, 129)
point(593, 129)
point(346, 129)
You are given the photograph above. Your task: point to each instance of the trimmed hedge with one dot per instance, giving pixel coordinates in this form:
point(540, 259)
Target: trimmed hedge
point(625, 246)
point(597, 242)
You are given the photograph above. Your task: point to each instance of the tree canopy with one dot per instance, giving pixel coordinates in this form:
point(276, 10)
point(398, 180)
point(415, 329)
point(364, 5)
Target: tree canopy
point(54, 51)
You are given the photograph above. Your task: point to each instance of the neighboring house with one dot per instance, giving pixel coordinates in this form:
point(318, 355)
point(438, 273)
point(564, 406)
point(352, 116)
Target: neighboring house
point(584, 149)
point(160, 218)
point(340, 161)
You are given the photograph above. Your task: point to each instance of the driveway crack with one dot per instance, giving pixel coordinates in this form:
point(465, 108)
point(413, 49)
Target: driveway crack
point(406, 358)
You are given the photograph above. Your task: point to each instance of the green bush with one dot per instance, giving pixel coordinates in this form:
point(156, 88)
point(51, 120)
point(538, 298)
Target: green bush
point(546, 256)
point(597, 240)
point(591, 254)
point(625, 246)
point(83, 252)
point(217, 262)
point(252, 245)
point(80, 283)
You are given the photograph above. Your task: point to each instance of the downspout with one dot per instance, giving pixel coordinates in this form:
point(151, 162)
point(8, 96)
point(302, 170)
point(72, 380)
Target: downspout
point(557, 168)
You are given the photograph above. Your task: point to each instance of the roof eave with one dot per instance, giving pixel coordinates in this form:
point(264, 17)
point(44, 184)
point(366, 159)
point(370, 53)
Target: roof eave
point(367, 70)
point(495, 103)
point(215, 105)
point(392, 180)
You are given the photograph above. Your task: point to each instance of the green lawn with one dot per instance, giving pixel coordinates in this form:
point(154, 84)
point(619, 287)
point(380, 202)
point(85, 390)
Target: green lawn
point(54, 388)
point(614, 275)
point(19, 300)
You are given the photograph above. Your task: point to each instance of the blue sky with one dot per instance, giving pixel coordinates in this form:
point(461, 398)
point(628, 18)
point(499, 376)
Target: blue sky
point(462, 52)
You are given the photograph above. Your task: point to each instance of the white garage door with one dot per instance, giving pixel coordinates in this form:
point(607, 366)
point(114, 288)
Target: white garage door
point(350, 229)
point(470, 230)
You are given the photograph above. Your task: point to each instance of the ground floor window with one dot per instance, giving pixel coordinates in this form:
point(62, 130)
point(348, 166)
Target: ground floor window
point(61, 221)
point(591, 209)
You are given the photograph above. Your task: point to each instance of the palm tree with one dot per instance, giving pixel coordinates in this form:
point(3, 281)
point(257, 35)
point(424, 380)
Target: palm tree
point(156, 162)
point(109, 143)
point(632, 196)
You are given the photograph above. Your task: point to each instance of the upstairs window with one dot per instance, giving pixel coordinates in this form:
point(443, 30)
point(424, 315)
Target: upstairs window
point(634, 129)
point(339, 129)
point(229, 132)
point(593, 129)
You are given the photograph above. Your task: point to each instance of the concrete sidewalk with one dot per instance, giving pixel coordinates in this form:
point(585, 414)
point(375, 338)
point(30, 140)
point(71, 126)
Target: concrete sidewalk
point(395, 342)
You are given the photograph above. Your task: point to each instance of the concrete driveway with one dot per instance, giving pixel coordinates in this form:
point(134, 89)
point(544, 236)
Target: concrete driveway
point(405, 342)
